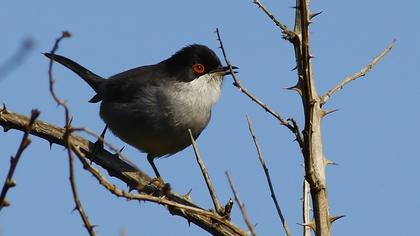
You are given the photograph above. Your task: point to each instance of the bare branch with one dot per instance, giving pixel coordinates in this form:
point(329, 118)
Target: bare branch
point(238, 84)
point(173, 206)
point(267, 175)
point(241, 206)
point(358, 74)
point(121, 169)
point(76, 198)
point(217, 205)
point(65, 34)
point(9, 182)
point(313, 152)
point(66, 137)
point(287, 34)
point(129, 196)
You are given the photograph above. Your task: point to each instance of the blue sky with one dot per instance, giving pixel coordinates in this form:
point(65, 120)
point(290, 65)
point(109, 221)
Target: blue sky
point(373, 137)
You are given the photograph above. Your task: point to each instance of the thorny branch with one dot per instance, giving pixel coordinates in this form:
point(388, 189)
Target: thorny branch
point(241, 206)
point(358, 74)
point(66, 137)
point(287, 34)
point(312, 147)
point(9, 182)
point(125, 171)
point(141, 197)
point(289, 123)
point(313, 151)
point(267, 175)
point(186, 210)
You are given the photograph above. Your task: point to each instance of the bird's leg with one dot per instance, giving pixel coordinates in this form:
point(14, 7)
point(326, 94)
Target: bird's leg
point(157, 181)
point(150, 158)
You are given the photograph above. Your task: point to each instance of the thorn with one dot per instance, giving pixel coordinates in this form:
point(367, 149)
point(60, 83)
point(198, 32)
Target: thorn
point(130, 188)
point(327, 112)
point(99, 144)
point(6, 128)
point(4, 203)
point(121, 149)
point(11, 183)
point(70, 120)
point(294, 68)
point(313, 15)
point(74, 209)
point(228, 209)
point(295, 88)
point(329, 162)
point(50, 143)
point(334, 218)
point(189, 223)
point(5, 111)
point(310, 225)
point(34, 115)
point(187, 196)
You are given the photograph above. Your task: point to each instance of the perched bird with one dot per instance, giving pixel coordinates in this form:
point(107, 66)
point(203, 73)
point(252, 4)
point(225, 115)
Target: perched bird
point(152, 107)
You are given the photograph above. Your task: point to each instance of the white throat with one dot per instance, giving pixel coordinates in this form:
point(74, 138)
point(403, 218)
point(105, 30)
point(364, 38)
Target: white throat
point(201, 92)
point(191, 102)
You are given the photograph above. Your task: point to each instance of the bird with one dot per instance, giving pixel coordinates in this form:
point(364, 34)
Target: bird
point(152, 107)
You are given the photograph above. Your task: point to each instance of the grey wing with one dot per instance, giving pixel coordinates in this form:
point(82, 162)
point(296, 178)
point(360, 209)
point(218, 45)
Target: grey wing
point(128, 85)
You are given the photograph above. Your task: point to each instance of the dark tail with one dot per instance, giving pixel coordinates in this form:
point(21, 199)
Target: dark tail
point(91, 78)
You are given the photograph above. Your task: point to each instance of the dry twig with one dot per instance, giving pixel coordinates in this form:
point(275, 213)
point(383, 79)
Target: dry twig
point(216, 202)
point(287, 34)
point(89, 227)
point(267, 175)
point(241, 206)
point(172, 205)
point(9, 182)
point(291, 126)
point(358, 74)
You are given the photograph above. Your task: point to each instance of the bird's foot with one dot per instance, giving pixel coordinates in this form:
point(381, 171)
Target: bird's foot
point(158, 187)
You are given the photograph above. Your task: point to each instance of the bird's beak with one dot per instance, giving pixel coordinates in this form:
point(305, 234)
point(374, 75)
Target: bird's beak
point(225, 70)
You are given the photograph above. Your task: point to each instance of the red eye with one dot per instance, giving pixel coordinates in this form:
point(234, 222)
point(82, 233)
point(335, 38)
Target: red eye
point(198, 68)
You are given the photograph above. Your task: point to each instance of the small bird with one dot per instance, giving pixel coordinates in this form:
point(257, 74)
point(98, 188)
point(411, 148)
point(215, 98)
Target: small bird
point(152, 107)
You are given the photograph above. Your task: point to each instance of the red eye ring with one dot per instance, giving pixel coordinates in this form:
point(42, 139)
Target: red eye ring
point(198, 68)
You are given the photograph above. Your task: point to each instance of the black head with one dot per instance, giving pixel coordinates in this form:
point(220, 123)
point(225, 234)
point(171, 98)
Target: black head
point(192, 62)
